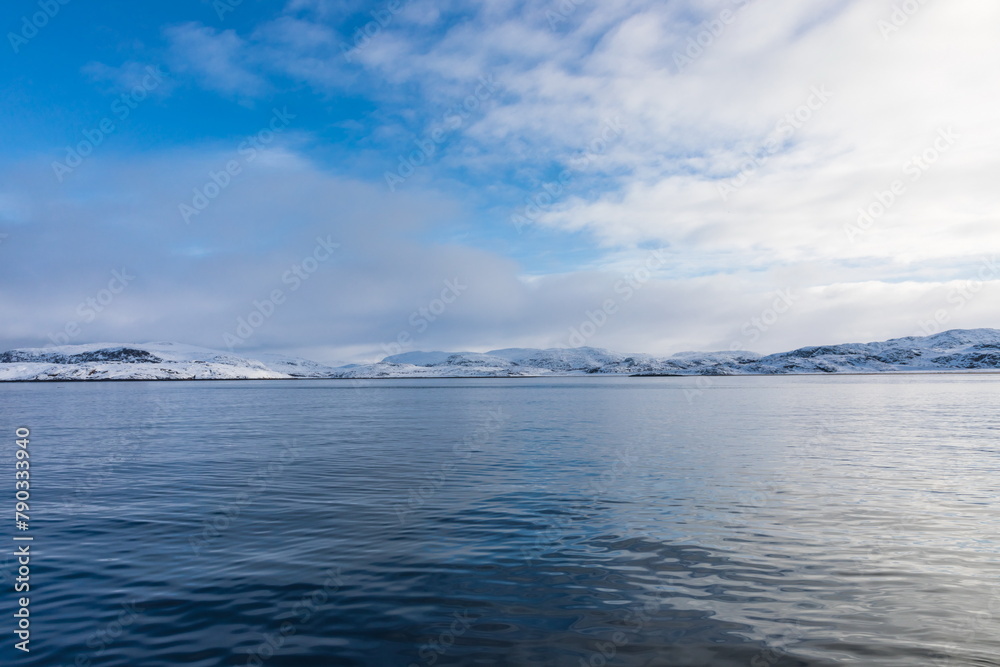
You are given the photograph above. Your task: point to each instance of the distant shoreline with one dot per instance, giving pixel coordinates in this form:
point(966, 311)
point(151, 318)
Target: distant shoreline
point(948, 352)
point(513, 377)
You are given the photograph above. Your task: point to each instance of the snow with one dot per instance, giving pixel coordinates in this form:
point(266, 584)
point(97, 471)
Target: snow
point(970, 349)
point(116, 361)
point(420, 358)
point(294, 366)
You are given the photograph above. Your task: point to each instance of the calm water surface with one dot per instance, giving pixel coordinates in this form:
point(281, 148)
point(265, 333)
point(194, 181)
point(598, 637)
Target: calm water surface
point(753, 521)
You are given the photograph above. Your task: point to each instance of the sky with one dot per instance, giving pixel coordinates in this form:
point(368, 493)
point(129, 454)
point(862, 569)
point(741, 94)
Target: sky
point(345, 180)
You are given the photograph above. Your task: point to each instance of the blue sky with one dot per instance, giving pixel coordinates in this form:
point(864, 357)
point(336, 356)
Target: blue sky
point(710, 156)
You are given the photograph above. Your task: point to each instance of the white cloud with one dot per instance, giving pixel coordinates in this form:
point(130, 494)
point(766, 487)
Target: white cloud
point(193, 281)
point(220, 60)
point(129, 76)
point(889, 97)
point(687, 130)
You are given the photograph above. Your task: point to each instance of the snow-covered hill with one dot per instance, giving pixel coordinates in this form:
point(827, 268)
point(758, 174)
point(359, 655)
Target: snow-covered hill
point(148, 361)
point(975, 349)
point(972, 349)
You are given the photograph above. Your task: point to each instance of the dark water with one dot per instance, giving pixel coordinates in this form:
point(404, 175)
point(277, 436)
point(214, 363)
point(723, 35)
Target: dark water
point(589, 521)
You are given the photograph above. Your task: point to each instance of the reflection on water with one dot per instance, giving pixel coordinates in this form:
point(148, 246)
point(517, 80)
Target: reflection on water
point(571, 521)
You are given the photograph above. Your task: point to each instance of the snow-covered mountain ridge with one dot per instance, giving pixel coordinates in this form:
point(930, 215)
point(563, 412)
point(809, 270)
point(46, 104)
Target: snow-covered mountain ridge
point(959, 349)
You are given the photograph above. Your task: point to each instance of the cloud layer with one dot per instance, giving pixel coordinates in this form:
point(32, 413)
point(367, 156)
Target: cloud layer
point(685, 175)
